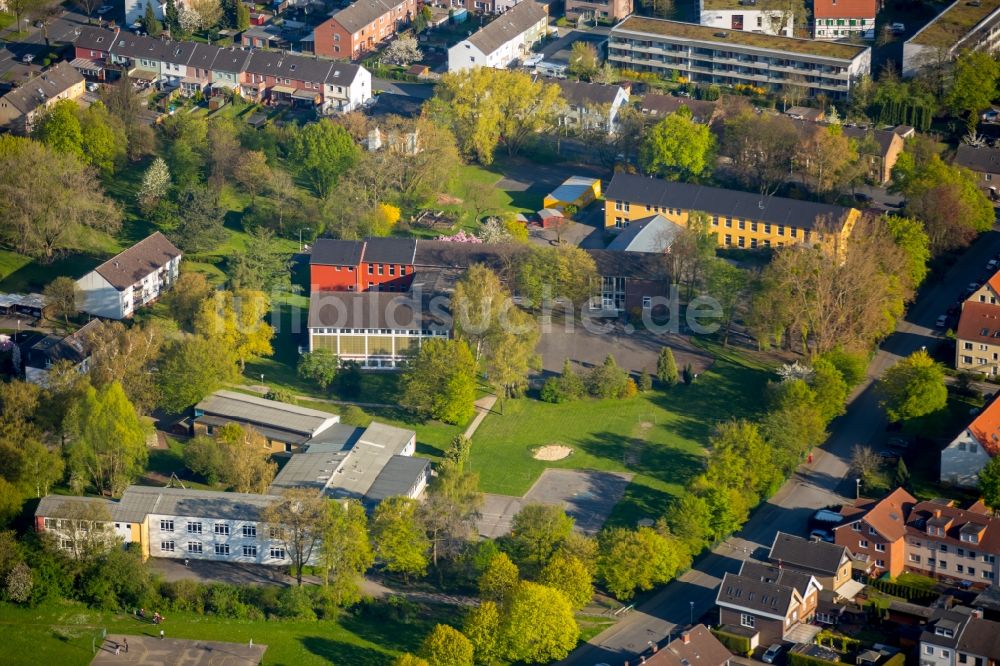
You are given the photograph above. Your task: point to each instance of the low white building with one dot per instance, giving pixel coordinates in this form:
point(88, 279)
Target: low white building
point(74, 348)
point(969, 452)
point(747, 15)
point(844, 19)
point(506, 40)
point(347, 88)
point(130, 279)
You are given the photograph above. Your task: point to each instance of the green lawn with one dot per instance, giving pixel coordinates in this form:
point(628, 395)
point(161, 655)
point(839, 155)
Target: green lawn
point(498, 202)
point(62, 633)
point(659, 436)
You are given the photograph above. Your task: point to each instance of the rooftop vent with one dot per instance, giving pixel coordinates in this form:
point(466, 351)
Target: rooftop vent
point(722, 34)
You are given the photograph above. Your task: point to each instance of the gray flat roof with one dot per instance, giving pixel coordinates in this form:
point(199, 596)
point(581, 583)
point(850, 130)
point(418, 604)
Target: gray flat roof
point(308, 470)
point(398, 476)
point(139, 501)
point(267, 413)
point(61, 506)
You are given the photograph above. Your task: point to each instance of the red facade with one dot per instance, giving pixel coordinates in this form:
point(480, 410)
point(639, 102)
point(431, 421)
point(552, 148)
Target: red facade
point(385, 277)
point(333, 278)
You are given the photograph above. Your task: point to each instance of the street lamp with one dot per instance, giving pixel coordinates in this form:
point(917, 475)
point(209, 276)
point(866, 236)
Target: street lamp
point(857, 488)
point(262, 378)
point(300, 239)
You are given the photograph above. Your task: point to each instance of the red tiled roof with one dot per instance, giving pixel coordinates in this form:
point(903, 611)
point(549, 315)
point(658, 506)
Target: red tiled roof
point(980, 322)
point(845, 9)
point(986, 427)
point(888, 516)
point(976, 516)
point(994, 282)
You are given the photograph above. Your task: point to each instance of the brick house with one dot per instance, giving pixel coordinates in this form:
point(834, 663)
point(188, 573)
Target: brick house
point(92, 52)
point(355, 30)
point(767, 600)
point(945, 541)
point(874, 531)
point(383, 264)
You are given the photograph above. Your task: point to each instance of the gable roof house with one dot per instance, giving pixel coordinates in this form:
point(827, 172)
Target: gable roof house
point(590, 106)
point(829, 563)
point(504, 41)
point(948, 542)
point(977, 336)
point(173, 66)
point(131, 278)
point(359, 28)
point(844, 19)
point(657, 105)
point(346, 88)
point(768, 601)
point(959, 635)
point(228, 68)
point(696, 645)
point(141, 56)
point(874, 531)
point(975, 446)
point(54, 348)
point(21, 107)
point(984, 162)
point(92, 51)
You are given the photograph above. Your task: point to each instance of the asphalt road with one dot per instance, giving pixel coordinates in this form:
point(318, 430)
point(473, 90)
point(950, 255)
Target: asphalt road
point(813, 486)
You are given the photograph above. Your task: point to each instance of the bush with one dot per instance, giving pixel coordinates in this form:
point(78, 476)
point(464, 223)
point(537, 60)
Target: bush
point(552, 391)
point(296, 603)
point(735, 644)
point(904, 591)
point(798, 659)
point(607, 380)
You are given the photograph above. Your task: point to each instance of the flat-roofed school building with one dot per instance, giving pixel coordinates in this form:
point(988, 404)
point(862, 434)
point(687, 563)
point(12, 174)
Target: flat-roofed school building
point(704, 54)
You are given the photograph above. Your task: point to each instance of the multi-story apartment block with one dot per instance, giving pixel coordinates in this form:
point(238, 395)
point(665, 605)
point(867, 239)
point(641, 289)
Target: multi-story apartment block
point(844, 19)
point(600, 10)
point(874, 531)
point(739, 219)
point(747, 15)
point(960, 636)
point(507, 39)
point(355, 30)
point(130, 279)
point(704, 54)
point(977, 337)
point(966, 25)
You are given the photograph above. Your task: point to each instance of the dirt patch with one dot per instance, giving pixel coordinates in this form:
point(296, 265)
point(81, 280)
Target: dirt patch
point(552, 452)
point(448, 200)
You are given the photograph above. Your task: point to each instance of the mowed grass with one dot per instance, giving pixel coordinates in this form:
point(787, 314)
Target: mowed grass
point(660, 436)
point(62, 633)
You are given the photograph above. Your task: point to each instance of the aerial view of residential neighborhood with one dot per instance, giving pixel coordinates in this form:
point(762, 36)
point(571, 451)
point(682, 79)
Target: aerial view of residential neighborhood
point(500, 332)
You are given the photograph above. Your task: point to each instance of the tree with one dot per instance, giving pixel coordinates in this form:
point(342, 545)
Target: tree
point(127, 355)
point(510, 352)
point(989, 483)
point(203, 455)
point(829, 388)
point(482, 627)
point(973, 86)
point(252, 172)
point(248, 467)
point(688, 518)
point(666, 367)
point(827, 156)
point(607, 380)
point(189, 20)
point(323, 151)
point(88, 6)
point(63, 205)
point(446, 646)
point(319, 366)
point(636, 559)
point(150, 23)
point(17, 585)
point(403, 51)
point(103, 139)
point(172, 18)
point(450, 510)
point(235, 319)
point(583, 60)
point(209, 12)
point(537, 530)
point(865, 463)
point(41, 468)
point(476, 305)
point(62, 295)
point(761, 148)
point(911, 237)
point(186, 139)
point(563, 272)
point(297, 519)
point(155, 185)
point(384, 218)
point(262, 264)
point(407, 659)
point(485, 106)
point(200, 227)
point(536, 625)
point(499, 578)
point(440, 382)
point(400, 542)
point(568, 575)
point(729, 285)
point(191, 368)
point(913, 387)
point(346, 551)
point(59, 128)
point(185, 299)
point(902, 475)
point(124, 103)
point(677, 148)
point(108, 443)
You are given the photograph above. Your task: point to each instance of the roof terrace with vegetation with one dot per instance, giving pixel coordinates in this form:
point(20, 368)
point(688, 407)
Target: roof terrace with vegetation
point(677, 29)
point(954, 23)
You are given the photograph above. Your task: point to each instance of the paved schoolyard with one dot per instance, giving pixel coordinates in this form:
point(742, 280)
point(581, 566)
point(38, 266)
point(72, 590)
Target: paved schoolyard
point(588, 497)
point(150, 651)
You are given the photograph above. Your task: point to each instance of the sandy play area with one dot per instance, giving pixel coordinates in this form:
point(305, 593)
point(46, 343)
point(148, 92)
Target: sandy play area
point(552, 452)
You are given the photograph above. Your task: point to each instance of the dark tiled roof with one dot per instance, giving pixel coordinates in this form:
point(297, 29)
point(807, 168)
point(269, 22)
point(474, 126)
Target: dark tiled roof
point(655, 104)
point(633, 265)
point(231, 60)
point(583, 93)
point(389, 250)
point(718, 201)
point(755, 595)
point(981, 637)
point(983, 160)
point(136, 46)
point(363, 12)
point(336, 252)
point(776, 575)
point(802, 553)
point(204, 56)
point(342, 73)
point(445, 254)
point(508, 25)
point(72, 348)
point(148, 255)
point(178, 53)
point(54, 81)
point(373, 310)
point(96, 39)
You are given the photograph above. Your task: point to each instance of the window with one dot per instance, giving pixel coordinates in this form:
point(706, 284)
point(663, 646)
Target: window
point(194, 547)
point(166, 526)
point(943, 548)
point(741, 241)
point(277, 552)
point(729, 222)
point(928, 649)
point(49, 523)
point(249, 551)
point(753, 243)
point(276, 532)
point(971, 571)
point(880, 548)
point(392, 269)
point(66, 544)
point(988, 575)
point(748, 620)
point(767, 228)
point(743, 224)
point(959, 568)
point(914, 558)
point(942, 565)
point(381, 269)
point(647, 302)
point(856, 526)
point(871, 530)
point(166, 546)
point(194, 528)
point(862, 543)
point(249, 531)
point(222, 529)
point(880, 564)
point(222, 549)
point(781, 230)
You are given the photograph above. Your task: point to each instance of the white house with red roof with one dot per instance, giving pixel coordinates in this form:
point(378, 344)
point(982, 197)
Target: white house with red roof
point(843, 19)
point(968, 453)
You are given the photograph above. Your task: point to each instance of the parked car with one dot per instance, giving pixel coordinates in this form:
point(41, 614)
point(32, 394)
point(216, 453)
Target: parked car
point(898, 444)
point(104, 9)
point(27, 58)
point(772, 653)
point(818, 535)
point(941, 322)
point(862, 198)
point(898, 28)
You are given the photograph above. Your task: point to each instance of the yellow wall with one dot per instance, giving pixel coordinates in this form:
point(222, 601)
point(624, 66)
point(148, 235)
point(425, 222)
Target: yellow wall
point(141, 530)
point(589, 195)
point(733, 232)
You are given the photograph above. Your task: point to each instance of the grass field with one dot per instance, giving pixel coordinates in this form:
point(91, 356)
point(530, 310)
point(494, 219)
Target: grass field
point(659, 436)
point(61, 633)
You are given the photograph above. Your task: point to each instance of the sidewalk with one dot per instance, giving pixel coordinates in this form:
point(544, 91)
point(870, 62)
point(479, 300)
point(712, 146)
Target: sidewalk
point(483, 407)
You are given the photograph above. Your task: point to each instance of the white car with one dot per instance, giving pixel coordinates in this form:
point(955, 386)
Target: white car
point(28, 58)
point(104, 9)
point(992, 264)
point(941, 322)
point(898, 28)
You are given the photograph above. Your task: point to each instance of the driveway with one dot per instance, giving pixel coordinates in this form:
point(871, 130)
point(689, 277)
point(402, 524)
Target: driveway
point(421, 91)
point(813, 486)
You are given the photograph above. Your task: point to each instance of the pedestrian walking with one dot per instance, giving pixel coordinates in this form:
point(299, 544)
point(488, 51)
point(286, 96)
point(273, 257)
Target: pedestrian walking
point(118, 650)
point(125, 640)
point(161, 634)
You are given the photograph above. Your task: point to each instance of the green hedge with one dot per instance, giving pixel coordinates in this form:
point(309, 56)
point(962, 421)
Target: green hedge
point(897, 659)
point(735, 644)
point(798, 659)
point(909, 592)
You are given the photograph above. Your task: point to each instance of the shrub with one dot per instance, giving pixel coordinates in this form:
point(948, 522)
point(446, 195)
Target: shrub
point(631, 390)
point(735, 644)
point(552, 391)
point(295, 603)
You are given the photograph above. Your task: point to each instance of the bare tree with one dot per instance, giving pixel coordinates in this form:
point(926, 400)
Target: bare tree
point(297, 520)
point(865, 462)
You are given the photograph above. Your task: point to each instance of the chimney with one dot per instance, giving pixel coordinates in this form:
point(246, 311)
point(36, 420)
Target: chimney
point(978, 614)
point(937, 513)
point(686, 637)
point(655, 648)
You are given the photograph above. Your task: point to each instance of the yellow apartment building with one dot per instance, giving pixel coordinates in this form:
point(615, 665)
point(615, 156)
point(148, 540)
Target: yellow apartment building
point(739, 219)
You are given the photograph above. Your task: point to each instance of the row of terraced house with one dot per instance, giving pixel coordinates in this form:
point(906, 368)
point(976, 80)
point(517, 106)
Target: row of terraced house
point(191, 67)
